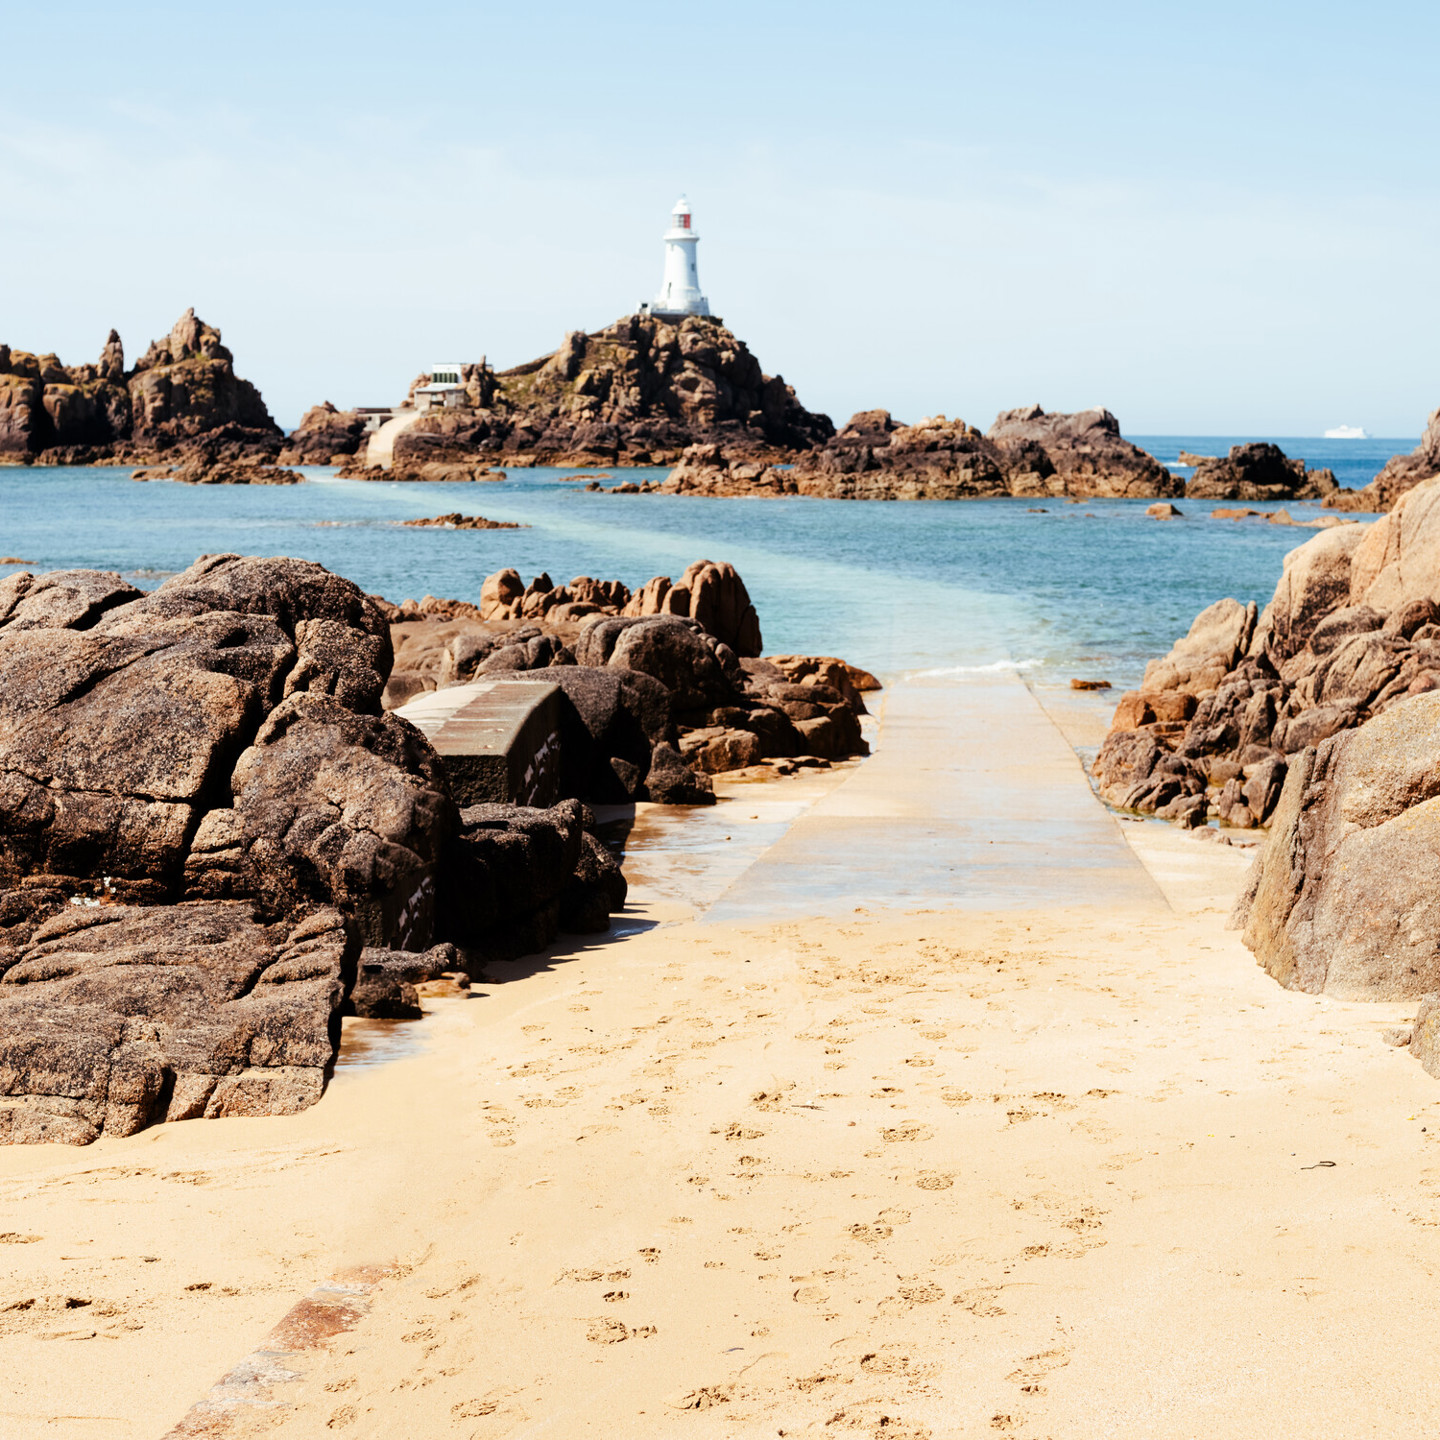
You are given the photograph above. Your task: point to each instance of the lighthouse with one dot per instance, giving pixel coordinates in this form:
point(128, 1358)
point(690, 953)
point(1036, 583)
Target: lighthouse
point(680, 290)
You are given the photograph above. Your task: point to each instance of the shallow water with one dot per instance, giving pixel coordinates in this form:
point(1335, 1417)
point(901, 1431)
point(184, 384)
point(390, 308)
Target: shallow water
point(1059, 588)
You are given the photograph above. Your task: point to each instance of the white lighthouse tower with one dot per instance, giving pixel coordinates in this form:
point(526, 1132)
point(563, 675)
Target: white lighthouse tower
point(680, 290)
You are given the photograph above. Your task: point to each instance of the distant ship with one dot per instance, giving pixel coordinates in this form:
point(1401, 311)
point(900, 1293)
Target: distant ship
point(1347, 432)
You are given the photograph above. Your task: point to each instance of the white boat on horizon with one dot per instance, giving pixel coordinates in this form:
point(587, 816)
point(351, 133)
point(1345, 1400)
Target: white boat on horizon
point(1347, 432)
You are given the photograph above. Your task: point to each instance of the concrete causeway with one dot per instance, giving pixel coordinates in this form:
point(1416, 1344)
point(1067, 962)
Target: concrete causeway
point(973, 799)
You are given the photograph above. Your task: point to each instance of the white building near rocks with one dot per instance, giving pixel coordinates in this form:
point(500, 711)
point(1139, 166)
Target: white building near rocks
point(680, 290)
point(443, 389)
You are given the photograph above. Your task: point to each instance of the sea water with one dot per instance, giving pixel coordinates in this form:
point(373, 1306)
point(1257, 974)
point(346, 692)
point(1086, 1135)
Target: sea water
point(1058, 589)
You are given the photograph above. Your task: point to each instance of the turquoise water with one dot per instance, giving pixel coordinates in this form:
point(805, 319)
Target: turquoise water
point(1093, 588)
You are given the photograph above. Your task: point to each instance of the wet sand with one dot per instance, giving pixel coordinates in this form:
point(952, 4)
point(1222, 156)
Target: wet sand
point(1047, 1167)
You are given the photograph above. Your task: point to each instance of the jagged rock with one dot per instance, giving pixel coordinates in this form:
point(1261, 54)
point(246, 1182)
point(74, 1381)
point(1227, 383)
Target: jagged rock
point(456, 521)
point(1135, 772)
point(693, 666)
point(325, 436)
point(385, 981)
point(60, 599)
point(713, 749)
point(850, 680)
point(1087, 452)
point(120, 740)
point(635, 393)
point(669, 636)
point(1197, 663)
point(1400, 475)
point(1352, 629)
point(331, 806)
point(1026, 452)
point(183, 390)
point(1315, 579)
point(720, 604)
point(199, 469)
point(670, 781)
point(1346, 894)
point(114, 1017)
point(1258, 471)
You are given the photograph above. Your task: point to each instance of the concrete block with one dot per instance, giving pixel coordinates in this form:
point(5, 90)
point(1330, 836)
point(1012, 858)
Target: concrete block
point(499, 738)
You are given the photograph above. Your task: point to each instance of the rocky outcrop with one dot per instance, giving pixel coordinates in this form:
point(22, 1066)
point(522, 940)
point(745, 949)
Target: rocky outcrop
point(636, 393)
point(1352, 630)
point(1401, 474)
point(1345, 897)
point(456, 521)
point(1026, 452)
point(202, 465)
point(325, 436)
point(664, 683)
point(1258, 471)
point(713, 595)
point(127, 720)
point(181, 397)
point(114, 1017)
point(1085, 453)
point(204, 815)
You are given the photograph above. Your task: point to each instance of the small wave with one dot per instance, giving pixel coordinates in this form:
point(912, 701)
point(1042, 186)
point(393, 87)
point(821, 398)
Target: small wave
point(994, 668)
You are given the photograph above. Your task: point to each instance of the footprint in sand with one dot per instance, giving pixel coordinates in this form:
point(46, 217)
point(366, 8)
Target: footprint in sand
point(921, 1294)
point(909, 1132)
point(1030, 1375)
point(980, 1302)
point(607, 1332)
point(705, 1398)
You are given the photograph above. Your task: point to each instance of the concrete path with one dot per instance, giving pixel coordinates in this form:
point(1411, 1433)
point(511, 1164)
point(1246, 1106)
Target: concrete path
point(381, 450)
point(973, 800)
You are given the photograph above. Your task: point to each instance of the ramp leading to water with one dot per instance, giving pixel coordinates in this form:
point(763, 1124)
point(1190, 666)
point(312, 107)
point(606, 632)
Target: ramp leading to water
point(973, 800)
point(381, 449)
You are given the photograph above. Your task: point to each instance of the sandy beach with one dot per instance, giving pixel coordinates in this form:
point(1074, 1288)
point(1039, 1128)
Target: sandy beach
point(1037, 1150)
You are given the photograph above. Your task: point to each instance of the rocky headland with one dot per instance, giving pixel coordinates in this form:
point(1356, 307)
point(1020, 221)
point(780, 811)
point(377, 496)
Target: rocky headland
point(181, 405)
point(215, 839)
point(1026, 452)
point(635, 393)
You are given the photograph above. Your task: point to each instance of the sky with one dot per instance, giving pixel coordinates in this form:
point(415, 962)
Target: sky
point(1211, 220)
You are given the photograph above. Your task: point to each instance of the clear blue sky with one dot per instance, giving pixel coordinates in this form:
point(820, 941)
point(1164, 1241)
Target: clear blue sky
point(1211, 219)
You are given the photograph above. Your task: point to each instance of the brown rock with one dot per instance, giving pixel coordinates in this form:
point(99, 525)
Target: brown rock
point(1258, 471)
point(331, 807)
point(1346, 897)
point(720, 604)
point(715, 749)
point(1197, 663)
point(1164, 511)
point(1086, 451)
point(457, 521)
point(114, 1017)
point(500, 595)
